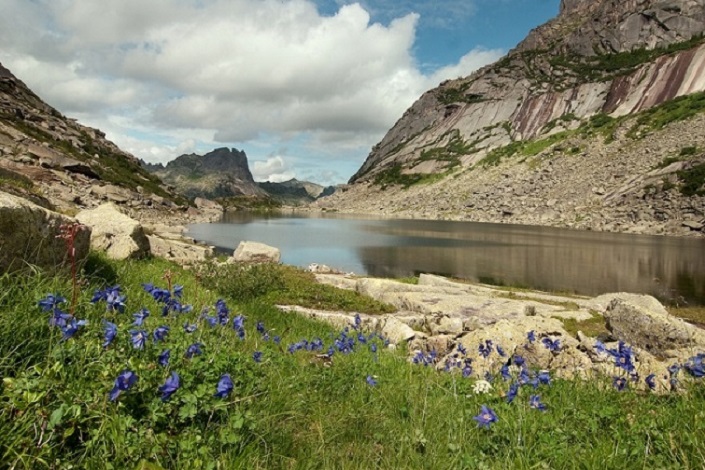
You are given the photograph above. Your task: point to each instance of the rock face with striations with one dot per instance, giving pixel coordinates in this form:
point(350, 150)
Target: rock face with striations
point(577, 126)
point(567, 68)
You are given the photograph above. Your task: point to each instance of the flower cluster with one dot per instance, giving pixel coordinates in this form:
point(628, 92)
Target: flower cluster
point(65, 321)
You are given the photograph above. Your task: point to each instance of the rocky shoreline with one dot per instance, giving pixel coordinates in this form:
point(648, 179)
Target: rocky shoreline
point(448, 324)
point(586, 184)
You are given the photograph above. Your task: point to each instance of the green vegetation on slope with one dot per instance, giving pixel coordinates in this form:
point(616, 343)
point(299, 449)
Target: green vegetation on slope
point(290, 405)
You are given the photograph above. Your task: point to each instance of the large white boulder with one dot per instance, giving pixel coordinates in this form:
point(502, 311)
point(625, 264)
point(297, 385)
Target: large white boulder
point(29, 234)
point(254, 252)
point(120, 236)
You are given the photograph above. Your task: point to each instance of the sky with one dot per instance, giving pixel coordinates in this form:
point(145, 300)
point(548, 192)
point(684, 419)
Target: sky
point(304, 87)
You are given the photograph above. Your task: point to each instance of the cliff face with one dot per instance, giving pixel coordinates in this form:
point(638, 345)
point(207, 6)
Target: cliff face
point(614, 57)
point(595, 121)
point(58, 163)
point(220, 173)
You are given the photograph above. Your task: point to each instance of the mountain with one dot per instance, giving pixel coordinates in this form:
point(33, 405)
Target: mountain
point(593, 99)
point(295, 192)
point(60, 164)
point(220, 173)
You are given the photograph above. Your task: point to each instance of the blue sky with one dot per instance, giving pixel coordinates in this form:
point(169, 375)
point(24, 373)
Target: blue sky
point(304, 87)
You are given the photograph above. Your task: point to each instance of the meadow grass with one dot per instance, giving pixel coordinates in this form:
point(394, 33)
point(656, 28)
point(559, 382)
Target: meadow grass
point(291, 406)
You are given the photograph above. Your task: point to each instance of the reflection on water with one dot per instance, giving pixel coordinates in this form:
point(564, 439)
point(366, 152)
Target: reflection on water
point(536, 257)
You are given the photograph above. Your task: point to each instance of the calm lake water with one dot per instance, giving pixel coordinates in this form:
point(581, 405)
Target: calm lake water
point(590, 263)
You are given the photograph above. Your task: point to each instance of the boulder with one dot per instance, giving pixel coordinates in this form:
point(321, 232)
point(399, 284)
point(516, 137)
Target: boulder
point(179, 251)
point(120, 236)
point(651, 329)
point(396, 331)
point(254, 252)
point(29, 234)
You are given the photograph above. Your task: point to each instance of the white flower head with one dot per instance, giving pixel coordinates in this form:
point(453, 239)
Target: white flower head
point(481, 387)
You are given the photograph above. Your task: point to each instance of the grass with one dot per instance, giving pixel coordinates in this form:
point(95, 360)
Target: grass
point(291, 410)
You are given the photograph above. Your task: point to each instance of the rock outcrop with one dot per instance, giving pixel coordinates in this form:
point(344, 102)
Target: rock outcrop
point(120, 236)
point(31, 235)
point(218, 174)
point(561, 95)
point(487, 330)
point(254, 252)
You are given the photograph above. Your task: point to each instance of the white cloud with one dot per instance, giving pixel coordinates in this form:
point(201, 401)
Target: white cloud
point(274, 170)
point(227, 71)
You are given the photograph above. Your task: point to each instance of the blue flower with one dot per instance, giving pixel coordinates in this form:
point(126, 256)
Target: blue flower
point(170, 386)
point(260, 328)
point(485, 349)
point(59, 318)
point(600, 347)
point(519, 360)
point(124, 381)
point(531, 336)
point(512, 392)
point(461, 349)
point(138, 338)
point(112, 297)
point(373, 347)
point(257, 356)
point(140, 316)
point(71, 327)
point(224, 386)
point(619, 383)
point(505, 372)
point(239, 322)
point(110, 333)
point(651, 381)
point(51, 302)
point(194, 350)
point(695, 366)
point(552, 345)
point(500, 351)
point(623, 357)
point(190, 328)
point(524, 376)
point(535, 402)
point(276, 340)
point(178, 291)
point(486, 417)
point(674, 369)
point(371, 381)
point(544, 377)
point(164, 357)
point(160, 333)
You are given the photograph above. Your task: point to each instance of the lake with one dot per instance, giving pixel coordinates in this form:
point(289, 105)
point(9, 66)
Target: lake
point(583, 262)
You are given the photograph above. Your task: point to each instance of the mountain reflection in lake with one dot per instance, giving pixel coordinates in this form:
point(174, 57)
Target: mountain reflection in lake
point(543, 258)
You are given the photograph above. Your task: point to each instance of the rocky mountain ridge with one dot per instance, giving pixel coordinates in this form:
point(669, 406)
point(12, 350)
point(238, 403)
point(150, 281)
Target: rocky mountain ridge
point(604, 176)
point(220, 173)
point(598, 63)
point(609, 57)
point(225, 173)
point(54, 161)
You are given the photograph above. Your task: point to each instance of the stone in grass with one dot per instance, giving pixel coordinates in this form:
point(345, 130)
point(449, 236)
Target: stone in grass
point(254, 252)
point(649, 326)
point(120, 236)
point(28, 235)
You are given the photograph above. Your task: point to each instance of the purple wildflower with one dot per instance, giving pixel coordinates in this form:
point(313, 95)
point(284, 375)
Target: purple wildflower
point(138, 338)
point(110, 333)
point(171, 385)
point(194, 350)
point(535, 403)
point(371, 381)
point(486, 417)
point(164, 358)
point(140, 317)
point(224, 386)
point(124, 381)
